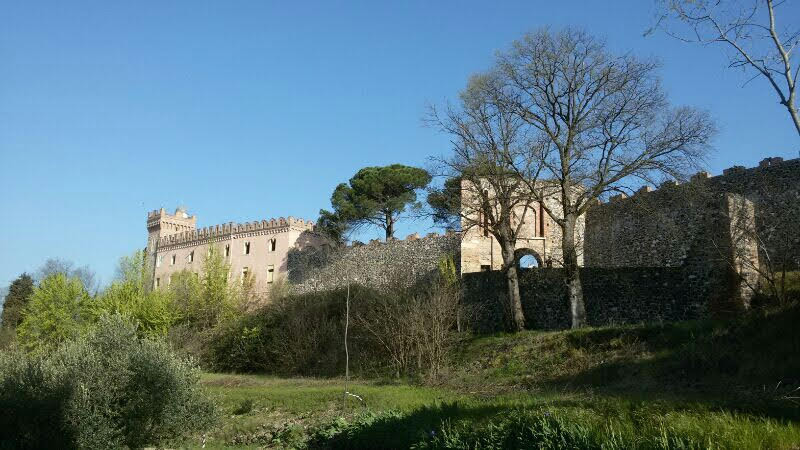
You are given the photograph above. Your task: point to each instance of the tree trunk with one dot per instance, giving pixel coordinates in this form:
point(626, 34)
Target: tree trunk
point(512, 283)
point(389, 227)
point(572, 275)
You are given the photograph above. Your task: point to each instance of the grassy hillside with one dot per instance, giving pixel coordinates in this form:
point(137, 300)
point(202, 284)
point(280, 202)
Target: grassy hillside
point(684, 385)
point(761, 351)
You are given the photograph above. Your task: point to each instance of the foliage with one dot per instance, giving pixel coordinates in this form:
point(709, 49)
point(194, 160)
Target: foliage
point(153, 311)
point(59, 310)
point(406, 332)
point(130, 296)
point(289, 335)
point(413, 328)
point(377, 196)
point(445, 203)
point(332, 225)
point(17, 298)
point(54, 266)
point(105, 390)
point(574, 425)
point(207, 299)
point(448, 273)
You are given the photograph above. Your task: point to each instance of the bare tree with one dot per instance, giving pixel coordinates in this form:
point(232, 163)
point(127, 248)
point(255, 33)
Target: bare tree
point(750, 31)
point(595, 123)
point(482, 190)
point(57, 265)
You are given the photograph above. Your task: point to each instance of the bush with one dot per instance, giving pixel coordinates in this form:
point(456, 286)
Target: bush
point(59, 309)
point(108, 389)
point(406, 332)
point(294, 335)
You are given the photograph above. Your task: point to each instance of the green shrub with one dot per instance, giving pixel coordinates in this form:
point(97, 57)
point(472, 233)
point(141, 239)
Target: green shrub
point(296, 335)
point(404, 333)
point(108, 389)
point(59, 309)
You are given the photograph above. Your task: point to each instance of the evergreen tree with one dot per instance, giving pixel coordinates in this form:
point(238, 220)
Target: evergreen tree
point(376, 196)
point(19, 293)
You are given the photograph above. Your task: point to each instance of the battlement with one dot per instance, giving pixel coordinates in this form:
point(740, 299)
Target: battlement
point(728, 175)
point(178, 221)
point(278, 225)
point(180, 213)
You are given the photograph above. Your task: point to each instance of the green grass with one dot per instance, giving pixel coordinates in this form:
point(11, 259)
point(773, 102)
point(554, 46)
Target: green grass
point(285, 407)
point(683, 385)
point(288, 413)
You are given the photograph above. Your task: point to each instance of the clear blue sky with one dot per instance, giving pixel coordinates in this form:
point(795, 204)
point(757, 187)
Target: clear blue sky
point(245, 110)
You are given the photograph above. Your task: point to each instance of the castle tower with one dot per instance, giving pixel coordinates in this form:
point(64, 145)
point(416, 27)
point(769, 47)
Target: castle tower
point(160, 223)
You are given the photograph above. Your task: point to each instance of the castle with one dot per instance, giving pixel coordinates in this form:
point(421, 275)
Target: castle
point(682, 251)
point(255, 249)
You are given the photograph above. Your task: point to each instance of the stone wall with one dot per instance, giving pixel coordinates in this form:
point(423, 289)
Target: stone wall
point(706, 227)
point(677, 225)
point(612, 296)
point(774, 189)
point(377, 264)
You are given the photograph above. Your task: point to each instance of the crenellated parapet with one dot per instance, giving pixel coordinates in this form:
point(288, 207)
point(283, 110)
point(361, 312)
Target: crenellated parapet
point(736, 178)
point(696, 224)
point(232, 230)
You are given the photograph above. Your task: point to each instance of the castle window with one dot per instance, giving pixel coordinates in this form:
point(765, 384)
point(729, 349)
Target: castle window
point(191, 256)
point(272, 245)
point(245, 272)
point(159, 260)
point(247, 248)
point(227, 250)
point(270, 273)
point(158, 282)
point(172, 261)
point(486, 268)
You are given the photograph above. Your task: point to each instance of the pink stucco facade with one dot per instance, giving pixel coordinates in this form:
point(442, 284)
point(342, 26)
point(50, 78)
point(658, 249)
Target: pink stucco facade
point(259, 249)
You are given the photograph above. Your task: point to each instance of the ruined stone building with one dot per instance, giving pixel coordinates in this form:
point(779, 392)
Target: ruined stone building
point(253, 249)
point(538, 242)
point(678, 252)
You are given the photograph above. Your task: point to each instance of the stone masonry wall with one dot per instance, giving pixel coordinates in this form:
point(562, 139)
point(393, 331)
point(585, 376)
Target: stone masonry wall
point(612, 296)
point(675, 224)
point(377, 264)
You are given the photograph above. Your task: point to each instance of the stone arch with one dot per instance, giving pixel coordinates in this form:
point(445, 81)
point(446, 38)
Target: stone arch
point(528, 258)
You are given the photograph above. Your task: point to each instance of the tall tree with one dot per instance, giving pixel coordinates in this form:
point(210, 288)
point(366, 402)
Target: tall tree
point(445, 203)
point(19, 293)
point(757, 40)
point(378, 196)
point(54, 266)
point(59, 310)
point(332, 226)
point(596, 123)
point(482, 191)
